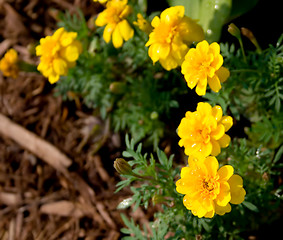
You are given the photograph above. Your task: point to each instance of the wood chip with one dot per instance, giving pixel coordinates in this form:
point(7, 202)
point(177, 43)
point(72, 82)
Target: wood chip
point(28, 140)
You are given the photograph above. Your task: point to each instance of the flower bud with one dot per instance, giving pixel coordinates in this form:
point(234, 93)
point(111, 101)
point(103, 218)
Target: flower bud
point(234, 30)
point(249, 34)
point(122, 166)
point(157, 199)
point(117, 87)
point(154, 115)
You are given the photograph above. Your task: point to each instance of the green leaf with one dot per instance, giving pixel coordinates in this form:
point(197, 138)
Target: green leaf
point(191, 7)
point(213, 15)
point(278, 155)
point(250, 206)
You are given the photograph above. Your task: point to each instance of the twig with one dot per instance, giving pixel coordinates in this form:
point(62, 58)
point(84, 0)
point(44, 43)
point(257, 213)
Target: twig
point(28, 140)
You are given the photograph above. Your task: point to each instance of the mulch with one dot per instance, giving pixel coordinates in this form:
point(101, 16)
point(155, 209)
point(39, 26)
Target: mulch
point(37, 199)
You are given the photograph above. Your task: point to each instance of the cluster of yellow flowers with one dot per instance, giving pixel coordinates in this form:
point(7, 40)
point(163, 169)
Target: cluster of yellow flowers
point(58, 53)
point(208, 190)
point(9, 64)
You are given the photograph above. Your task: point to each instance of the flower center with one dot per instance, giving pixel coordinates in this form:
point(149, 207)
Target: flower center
point(204, 134)
point(208, 184)
point(166, 32)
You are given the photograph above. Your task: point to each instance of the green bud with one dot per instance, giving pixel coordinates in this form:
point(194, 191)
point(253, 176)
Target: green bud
point(234, 30)
point(154, 115)
point(117, 87)
point(122, 166)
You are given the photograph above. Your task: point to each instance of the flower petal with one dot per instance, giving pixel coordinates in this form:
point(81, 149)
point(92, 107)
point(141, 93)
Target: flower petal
point(224, 141)
point(212, 165)
point(224, 197)
point(237, 191)
point(215, 148)
point(217, 112)
point(223, 74)
point(125, 29)
point(218, 132)
point(227, 121)
point(107, 33)
point(225, 172)
point(214, 83)
point(222, 210)
point(117, 38)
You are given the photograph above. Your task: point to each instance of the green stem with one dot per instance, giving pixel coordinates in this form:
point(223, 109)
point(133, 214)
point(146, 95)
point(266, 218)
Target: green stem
point(242, 48)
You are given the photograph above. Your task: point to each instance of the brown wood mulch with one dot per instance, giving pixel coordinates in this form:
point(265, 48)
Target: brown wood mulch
point(56, 181)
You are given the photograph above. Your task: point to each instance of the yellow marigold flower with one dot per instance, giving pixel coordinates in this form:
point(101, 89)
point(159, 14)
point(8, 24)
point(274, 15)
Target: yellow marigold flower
point(58, 53)
point(9, 64)
point(203, 65)
point(143, 24)
point(171, 37)
point(209, 190)
point(117, 27)
point(202, 132)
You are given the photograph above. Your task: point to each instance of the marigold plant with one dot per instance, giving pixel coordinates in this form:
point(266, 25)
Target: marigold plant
point(203, 65)
point(9, 64)
point(171, 37)
point(203, 132)
point(58, 53)
point(117, 27)
point(209, 190)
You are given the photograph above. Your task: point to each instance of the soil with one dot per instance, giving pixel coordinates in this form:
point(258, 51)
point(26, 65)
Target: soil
point(38, 201)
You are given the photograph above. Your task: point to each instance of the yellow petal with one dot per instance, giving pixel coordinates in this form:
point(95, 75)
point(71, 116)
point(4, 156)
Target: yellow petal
point(212, 165)
point(224, 197)
point(60, 66)
point(217, 112)
point(222, 210)
point(204, 108)
point(224, 141)
point(222, 73)
point(152, 52)
point(125, 29)
point(206, 149)
point(101, 19)
point(215, 148)
point(237, 191)
point(117, 38)
point(225, 172)
point(201, 89)
point(155, 21)
point(227, 122)
point(72, 53)
point(214, 83)
point(107, 33)
point(168, 63)
point(218, 132)
point(53, 78)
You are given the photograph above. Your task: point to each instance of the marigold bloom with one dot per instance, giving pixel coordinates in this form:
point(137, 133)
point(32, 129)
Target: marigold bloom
point(143, 24)
point(209, 190)
point(203, 132)
point(171, 37)
point(117, 27)
point(203, 65)
point(58, 53)
point(9, 64)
